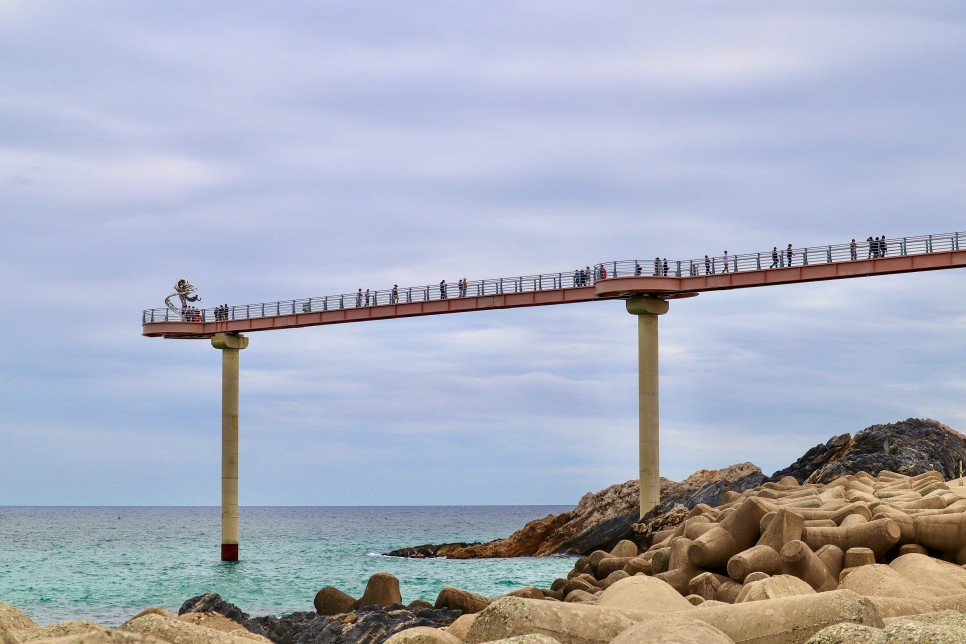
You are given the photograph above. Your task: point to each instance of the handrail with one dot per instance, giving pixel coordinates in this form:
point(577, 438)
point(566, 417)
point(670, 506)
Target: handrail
point(708, 265)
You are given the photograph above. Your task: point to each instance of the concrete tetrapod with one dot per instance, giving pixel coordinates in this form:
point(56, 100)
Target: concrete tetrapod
point(739, 531)
point(672, 629)
point(943, 532)
point(879, 535)
point(567, 623)
point(799, 560)
point(756, 559)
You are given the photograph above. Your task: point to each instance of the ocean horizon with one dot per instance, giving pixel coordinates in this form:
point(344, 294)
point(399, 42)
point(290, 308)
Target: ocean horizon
point(107, 563)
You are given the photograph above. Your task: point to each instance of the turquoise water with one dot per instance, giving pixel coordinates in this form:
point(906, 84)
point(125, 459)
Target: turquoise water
point(107, 564)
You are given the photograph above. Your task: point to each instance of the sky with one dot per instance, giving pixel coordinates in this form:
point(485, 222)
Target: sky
point(269, 151)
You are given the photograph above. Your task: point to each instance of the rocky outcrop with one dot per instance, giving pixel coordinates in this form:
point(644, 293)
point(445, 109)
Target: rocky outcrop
point(600, 519)
point(910, 447)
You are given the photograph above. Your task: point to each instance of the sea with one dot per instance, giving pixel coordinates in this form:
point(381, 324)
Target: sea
point(106, 564)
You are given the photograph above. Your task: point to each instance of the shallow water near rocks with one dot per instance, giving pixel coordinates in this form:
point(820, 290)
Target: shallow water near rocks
point(107, 564)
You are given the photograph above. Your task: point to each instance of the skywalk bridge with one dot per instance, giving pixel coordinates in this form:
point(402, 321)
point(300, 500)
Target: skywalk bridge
point(646, 285)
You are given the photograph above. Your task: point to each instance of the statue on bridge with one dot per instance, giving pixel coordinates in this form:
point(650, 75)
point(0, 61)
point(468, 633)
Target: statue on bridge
point(183, 289)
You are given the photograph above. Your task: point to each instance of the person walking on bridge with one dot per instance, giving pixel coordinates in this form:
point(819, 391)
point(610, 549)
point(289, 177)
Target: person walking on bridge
point(790, 254)
point(665, 267)
point(442, 289)
point(852, 251)
point(774, 257)
point(367, 297)
point(872, 248)
point(657, 267)
point(882, 246)
point(707, 265)
point(394, 296)
point(725, 269)
point(359, 298)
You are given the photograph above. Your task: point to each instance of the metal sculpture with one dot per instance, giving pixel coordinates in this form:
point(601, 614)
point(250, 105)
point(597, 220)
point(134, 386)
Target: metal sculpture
point(183, 289)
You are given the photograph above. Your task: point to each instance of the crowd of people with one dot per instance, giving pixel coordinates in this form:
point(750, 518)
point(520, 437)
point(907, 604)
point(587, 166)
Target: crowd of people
point(877, 247)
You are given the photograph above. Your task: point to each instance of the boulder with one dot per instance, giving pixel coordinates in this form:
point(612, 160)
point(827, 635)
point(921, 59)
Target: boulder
point(672, 629)
point(332, 601)
point(643, 593)
point(175, 630)
point(625, 548)
point(913, 446)
point(216, 621)
point(423, 635)
point(456, 599)
point(417, 605)
point(213, 603)
point(72, 627)
point(774, 588)
point(14, 619)
point(567, 623)
point(381, 590)
point(461, 625)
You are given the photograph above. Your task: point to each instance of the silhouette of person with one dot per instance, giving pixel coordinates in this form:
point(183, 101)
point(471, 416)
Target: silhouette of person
point(707, 265)
point(774, 257)
point(725, 269)
point(852, 250)
point(790, 254)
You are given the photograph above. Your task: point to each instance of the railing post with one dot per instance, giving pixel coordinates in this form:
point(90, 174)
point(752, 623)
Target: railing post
point(805, 257)
point(929, 246)
point(902, 246)
point(714, 269)
point(736, 264)
point(758, 262)
point(830, 254)
point(956, 247)
point(615, 269)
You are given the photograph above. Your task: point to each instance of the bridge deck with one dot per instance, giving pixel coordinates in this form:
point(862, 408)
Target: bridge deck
point(609, 280)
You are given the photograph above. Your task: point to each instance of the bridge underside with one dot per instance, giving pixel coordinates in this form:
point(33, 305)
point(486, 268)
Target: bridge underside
point(614, 288)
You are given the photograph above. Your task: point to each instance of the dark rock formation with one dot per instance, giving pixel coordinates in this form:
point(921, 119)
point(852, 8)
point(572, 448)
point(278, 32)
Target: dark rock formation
point(365, 626)
point(910, 447)
point(213, 603)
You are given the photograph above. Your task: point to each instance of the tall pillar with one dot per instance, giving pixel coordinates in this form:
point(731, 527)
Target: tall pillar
point(230, 344)
point(647, 309)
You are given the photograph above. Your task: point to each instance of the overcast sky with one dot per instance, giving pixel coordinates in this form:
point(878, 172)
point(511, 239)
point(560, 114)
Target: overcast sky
point(281, 150)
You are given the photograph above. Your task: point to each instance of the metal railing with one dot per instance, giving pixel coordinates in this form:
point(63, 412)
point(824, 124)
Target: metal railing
point(783, 257)
point(395, 295)
point(661, 267)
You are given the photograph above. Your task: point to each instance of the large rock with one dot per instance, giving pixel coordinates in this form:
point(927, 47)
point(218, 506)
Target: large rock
point(213, 603)
point(910, 447)
point(363, 626)
point(945, 627)
point(13, 619)
point(423, 635)
point(181, 632)
point(567, 623)
point(382, 590)
point(641, 592)
point(74, 627)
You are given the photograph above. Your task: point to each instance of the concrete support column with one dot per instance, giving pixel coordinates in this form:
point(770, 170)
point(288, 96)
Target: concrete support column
point(230, 344)
point(647, 309)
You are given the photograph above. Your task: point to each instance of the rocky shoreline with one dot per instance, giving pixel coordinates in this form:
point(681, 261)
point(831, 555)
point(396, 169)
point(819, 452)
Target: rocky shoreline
point(823, 551)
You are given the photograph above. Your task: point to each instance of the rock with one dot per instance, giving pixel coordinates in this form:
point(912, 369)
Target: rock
point(461, 600)
point(527, 592)
point(423, 635)
point(910, 447)
point(382, 590)
point(332, 601)
point(175, 630)
point(773, 588)
point(935, 573)
point(672, 629)
point(580, 597)
point(218, 622)
point(880, 580)
point(624, 548)
point(417, 605)
point(789, 619)
point(103, 636)
point(461, 625)
point(73, 627)
point(363, 626)
point(14, 619)
point(213, 603)
point(641, 592)
point(946, 627)
point(155, 610)
point(567, 623)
